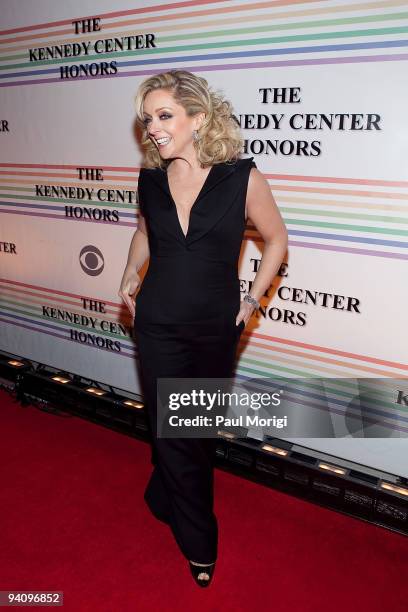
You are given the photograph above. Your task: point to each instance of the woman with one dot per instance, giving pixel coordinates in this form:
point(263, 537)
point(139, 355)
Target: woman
point(195, 195)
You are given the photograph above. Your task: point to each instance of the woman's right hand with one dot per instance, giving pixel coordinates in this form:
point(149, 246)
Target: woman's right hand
point(127, 291)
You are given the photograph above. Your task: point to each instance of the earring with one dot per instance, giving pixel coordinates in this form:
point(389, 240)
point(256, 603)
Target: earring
point(195, 135)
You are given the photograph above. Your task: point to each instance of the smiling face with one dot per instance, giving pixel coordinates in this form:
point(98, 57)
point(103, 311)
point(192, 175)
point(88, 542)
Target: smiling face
point(168, 125)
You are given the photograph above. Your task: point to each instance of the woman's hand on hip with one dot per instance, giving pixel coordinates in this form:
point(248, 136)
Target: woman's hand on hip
point(128, 286)
point(245, 313)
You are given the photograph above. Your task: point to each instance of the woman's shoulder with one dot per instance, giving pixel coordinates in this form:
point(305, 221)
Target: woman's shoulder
point(145, 173)
point(242, 162)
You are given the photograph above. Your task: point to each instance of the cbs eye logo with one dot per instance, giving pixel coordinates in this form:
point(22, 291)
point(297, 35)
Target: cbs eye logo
point(91, 260)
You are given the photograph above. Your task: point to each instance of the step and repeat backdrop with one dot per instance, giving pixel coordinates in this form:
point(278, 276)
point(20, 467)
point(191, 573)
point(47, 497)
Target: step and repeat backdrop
point(320, 90)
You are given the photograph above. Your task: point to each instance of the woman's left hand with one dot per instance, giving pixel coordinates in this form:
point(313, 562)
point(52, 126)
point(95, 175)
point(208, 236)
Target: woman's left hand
point(245, 313)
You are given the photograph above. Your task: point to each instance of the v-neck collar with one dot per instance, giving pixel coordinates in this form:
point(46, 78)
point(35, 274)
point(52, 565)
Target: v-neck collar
point(207, 178)
point(202, 214)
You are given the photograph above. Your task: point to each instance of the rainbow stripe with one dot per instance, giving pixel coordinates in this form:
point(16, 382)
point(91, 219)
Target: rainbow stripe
point(264, 356)
point(21, 305)
point(343, 214)
point(335, 34)
point(347, 215)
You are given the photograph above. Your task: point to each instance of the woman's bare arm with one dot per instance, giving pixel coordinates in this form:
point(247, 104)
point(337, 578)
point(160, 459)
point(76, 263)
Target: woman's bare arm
point(138, 253)
point(265, 215)
point(139, 247)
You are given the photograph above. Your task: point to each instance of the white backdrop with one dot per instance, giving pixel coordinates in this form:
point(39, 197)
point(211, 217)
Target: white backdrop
point(345, 207)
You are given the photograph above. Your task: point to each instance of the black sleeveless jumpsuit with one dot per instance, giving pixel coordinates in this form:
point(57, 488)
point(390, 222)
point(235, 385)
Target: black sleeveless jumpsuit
point(185, 327)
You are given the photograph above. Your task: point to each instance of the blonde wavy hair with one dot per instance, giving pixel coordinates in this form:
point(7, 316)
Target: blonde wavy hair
point(219, 137)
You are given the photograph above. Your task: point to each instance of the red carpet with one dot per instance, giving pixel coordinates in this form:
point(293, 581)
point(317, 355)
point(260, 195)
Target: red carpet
point(73, 519)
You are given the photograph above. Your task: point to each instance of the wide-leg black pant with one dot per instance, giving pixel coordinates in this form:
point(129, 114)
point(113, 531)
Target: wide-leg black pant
point(181, 487)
